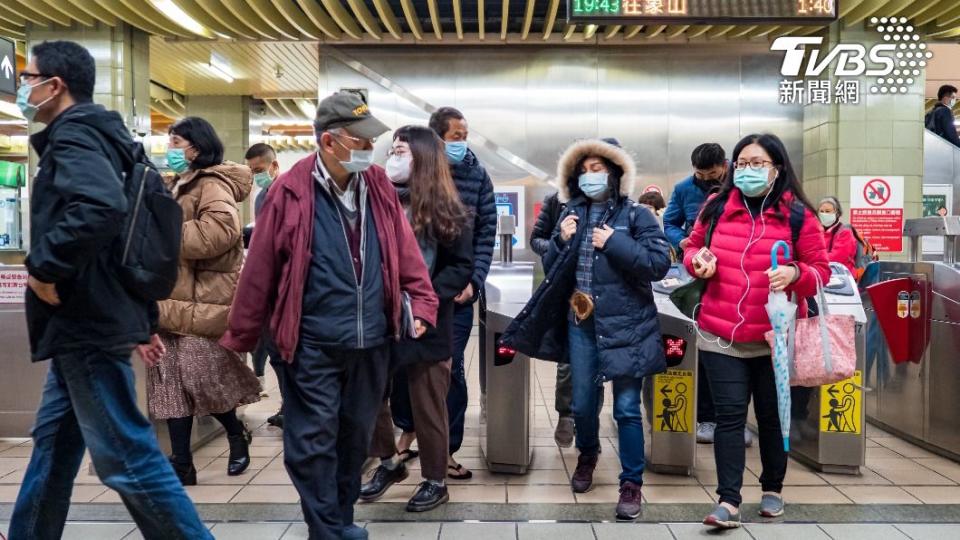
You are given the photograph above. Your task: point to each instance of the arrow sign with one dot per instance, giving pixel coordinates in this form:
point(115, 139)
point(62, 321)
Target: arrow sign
point(6, 67)
point(666, 390)
point(833, 391)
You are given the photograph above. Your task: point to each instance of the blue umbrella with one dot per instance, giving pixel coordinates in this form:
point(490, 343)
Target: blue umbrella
point(783, 315)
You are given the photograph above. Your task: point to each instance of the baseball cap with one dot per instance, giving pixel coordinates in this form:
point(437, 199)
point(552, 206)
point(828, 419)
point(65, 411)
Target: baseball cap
point(348, 110)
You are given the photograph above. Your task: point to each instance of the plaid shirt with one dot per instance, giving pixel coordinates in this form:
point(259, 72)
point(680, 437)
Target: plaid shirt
point(585, 260)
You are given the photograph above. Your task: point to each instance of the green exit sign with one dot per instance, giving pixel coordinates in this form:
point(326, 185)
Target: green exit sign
point(701, 11)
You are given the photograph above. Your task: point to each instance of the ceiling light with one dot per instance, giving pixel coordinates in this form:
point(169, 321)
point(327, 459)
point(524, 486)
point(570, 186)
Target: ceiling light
point(220, 67)
point(173, 12)
point(308, 109)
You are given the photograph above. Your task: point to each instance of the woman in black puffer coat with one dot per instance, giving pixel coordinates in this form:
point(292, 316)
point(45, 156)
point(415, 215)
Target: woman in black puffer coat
point(602, 258)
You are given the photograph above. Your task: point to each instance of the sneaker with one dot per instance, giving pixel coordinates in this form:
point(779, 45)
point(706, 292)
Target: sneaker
point(705, 432)
point(353, 532)
point(428, 497)
point(582, 479)
point(628, 509)
point(381, 481)
point(564, 432)
point(721, 518)
point(771, 506)
point(747, 437)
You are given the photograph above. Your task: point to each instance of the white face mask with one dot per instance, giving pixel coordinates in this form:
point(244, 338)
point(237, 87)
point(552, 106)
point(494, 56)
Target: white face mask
point(828, 219)
point(398, 168)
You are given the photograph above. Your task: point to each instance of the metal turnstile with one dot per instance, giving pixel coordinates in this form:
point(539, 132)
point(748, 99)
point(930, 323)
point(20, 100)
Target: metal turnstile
point(827, 429)
point(670, 399)
point(505, 437)
point(917, 399)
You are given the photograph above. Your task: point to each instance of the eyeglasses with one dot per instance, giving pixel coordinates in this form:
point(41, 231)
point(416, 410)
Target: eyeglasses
point(755, 164)
point(24, 75)
point(357, 140)
point(399, 152)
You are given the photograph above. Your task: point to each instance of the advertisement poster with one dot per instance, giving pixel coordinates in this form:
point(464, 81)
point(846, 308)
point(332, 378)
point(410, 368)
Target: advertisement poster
point(510, 201)
point(935, 198)
point(13, 285)
point(876, 210)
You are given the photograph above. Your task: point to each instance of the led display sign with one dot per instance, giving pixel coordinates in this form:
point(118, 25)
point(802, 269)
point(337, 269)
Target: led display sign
point(701, 11)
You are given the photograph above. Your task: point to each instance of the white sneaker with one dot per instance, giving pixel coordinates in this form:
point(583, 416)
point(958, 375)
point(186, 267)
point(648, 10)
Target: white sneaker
point(705, 432)
point(747, 437)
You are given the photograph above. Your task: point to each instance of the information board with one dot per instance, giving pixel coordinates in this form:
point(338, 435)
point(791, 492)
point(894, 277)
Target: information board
point(701, 11)
point(935, 197)
point(510, 201)
point(13, 286)
point(876, 210)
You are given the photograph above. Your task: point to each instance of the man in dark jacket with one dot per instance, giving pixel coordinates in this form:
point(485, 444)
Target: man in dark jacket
point(940, 120)
point(709, 167)
point(330, 257)
point(476, 191)
point(81, 317)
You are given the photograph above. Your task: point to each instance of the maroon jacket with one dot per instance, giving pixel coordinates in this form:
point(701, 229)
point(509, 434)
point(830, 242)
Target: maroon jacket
point(274, 276)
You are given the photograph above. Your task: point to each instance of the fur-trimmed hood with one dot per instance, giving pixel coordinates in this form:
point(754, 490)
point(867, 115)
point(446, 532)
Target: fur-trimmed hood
point(567, 176)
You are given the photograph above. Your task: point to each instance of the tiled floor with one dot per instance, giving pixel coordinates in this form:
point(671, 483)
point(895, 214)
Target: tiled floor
point(896, 472)
point(544, 531)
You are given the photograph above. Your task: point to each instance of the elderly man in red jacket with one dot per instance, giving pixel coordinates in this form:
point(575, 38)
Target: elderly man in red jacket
point(330, 257)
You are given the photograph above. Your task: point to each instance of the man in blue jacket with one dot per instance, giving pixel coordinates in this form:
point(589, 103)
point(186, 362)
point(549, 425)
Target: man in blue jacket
point(709, 167)
point(81, 318)
point(940, 119)
point(476, 191)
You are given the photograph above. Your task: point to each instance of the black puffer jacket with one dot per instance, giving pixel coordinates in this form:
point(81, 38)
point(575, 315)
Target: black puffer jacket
point(77, 210)
point(627, 329)
point(476, 192)
point(546, 222)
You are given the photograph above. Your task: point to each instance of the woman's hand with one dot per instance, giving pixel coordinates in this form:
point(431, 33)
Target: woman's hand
point(568, 227)
point(601, 235)
point(704, 270)
point(152, 352)
point(782, 277)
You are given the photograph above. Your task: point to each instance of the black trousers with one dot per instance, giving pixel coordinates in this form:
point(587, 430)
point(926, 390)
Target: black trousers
point(330, 402)
point(705, 411)
point(732, 382)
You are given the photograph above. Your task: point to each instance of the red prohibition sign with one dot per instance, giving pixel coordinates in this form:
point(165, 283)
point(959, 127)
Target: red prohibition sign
point(879, 189)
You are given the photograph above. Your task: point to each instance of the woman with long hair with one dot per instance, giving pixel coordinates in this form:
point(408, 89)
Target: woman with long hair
point(419, 170)
point(760, 203)
point(196, 376)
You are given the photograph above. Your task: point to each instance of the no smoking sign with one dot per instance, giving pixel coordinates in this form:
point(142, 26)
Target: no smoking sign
point(876, 210)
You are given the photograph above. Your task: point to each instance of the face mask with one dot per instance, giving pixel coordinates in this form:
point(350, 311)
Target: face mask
point(360, 160)
point(752, 182)
point(953, 102)
point(593, 184)
point(456, 151)
point(263, 180)
point(398, 168)
point(177, 160)
point(828, 218)
point(29, 110)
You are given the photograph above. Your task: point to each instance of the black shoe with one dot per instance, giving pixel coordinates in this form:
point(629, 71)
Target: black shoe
point(382, 479)
point(276, 420)
point(239, 453)
point(428, 497)
point(186, 472)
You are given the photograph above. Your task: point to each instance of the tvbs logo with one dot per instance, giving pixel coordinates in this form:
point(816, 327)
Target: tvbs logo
point(851, 59)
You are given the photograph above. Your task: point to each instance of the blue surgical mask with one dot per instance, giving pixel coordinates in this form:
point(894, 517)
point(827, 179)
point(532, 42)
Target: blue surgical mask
point(360, 160)
point(456, 151)
point(263, 180)
point(752, 182)
point(594, 184)
point(29, 110)
point(177, 160)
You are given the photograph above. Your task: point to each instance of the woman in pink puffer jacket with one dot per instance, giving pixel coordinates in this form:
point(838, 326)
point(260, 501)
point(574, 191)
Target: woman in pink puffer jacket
point(751, 213)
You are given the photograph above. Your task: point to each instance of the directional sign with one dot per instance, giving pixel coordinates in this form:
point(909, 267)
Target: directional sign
point(8, 68)
point(673, 404)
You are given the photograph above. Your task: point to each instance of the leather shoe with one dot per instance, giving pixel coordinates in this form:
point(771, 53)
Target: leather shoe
point(239, 453)
point(428, 497)
point(186, 472)
point(381, 481)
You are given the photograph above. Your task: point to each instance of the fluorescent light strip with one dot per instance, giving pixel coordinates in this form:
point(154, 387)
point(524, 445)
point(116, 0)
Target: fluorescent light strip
point(173, 12)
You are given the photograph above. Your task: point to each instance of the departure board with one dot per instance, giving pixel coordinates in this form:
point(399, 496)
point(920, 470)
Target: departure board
point(701, 11)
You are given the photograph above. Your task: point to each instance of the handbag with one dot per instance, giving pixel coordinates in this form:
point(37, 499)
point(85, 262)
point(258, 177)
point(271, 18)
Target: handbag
point(687, 297)
point(824, 347)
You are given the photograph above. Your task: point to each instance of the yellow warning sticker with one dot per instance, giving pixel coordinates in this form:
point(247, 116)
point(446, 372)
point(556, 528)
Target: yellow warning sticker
point(673, 401)
point(840, 406)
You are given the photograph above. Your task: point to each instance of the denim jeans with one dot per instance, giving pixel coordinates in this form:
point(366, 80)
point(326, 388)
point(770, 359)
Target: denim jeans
point(732, 381)
point(89, 401)
point(584, 370)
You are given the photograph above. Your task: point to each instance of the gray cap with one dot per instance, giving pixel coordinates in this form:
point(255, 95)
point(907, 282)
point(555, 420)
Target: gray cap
point(348, 110)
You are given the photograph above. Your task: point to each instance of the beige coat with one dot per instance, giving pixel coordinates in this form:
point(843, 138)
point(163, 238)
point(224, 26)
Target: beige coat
point(211, 253)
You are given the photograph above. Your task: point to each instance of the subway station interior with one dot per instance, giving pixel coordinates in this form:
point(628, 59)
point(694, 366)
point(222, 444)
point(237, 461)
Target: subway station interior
point(875, 456)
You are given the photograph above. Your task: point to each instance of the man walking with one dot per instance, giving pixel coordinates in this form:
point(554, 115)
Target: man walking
point(82, 318)
point(331, 257)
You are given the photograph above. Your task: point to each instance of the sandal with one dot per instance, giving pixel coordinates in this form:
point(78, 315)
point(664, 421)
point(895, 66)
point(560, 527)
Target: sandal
point(408, 455)
point(460, 474)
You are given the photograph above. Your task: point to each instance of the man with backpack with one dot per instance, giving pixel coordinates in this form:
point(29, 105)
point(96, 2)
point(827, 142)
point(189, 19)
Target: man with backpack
point(81, 311)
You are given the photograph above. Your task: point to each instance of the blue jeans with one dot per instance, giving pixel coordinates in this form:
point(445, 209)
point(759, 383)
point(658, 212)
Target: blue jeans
point(584, 370)
point(89, 401)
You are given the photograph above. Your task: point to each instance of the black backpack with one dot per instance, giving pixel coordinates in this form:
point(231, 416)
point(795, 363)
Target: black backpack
point(149, 249)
